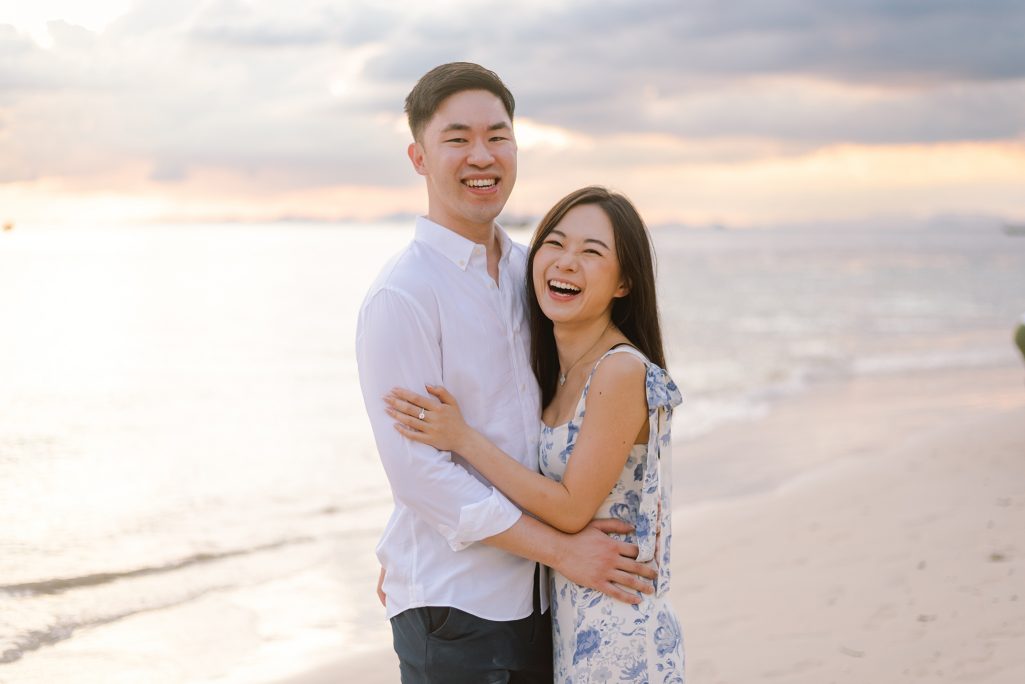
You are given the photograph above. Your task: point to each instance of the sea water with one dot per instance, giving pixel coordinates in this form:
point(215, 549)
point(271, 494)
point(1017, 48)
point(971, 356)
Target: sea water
point(189, 490)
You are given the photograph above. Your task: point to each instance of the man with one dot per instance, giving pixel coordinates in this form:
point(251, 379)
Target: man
point(465, 595)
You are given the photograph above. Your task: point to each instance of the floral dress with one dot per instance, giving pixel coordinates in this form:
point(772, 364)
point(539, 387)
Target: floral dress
point(597, 638)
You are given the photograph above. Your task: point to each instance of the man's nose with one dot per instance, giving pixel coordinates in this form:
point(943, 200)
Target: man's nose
point(480, 154)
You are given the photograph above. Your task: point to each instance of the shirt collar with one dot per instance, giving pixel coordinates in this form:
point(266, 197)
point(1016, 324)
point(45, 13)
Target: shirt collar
point(454, 246)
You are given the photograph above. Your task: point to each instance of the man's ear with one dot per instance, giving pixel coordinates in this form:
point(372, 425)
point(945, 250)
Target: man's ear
point(416, 155)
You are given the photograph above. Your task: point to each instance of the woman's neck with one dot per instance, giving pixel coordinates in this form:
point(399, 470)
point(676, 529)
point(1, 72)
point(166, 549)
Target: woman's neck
point(576, 340)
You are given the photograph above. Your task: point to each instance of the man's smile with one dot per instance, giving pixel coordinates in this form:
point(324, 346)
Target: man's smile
point(480, 183)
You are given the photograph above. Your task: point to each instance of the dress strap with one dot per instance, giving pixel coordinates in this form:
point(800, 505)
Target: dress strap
point(578, 412)
point(621, 347)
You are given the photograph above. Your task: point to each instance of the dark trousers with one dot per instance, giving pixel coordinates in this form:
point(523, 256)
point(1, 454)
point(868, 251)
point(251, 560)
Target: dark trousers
point(444, 645)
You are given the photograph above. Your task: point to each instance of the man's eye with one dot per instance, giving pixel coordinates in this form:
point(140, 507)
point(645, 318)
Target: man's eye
point(456, 140)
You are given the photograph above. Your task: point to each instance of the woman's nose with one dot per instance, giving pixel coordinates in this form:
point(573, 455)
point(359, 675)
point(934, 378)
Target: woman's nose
point(567, 261)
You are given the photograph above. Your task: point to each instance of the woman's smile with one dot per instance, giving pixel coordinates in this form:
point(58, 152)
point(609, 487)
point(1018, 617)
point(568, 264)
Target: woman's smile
point(562, 291)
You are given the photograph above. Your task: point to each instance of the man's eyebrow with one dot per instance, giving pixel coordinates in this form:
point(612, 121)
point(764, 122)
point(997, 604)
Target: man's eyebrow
point(465, 127)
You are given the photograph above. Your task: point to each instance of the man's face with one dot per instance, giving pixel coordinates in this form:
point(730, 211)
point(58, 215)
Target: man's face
point(467, 153)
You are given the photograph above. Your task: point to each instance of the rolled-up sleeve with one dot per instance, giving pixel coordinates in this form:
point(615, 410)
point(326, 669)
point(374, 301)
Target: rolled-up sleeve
point(397, 345)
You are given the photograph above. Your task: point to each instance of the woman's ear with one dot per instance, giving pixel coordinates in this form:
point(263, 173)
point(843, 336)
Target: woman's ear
point(623, 289)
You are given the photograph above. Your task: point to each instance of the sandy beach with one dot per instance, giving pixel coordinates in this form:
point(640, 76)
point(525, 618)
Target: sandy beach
point(899, 561)
point(892, 551)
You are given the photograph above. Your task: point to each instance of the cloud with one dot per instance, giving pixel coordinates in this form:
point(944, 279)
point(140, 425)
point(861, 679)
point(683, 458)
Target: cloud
point(600, 67)
point(170, 88)
point(808, 112)
point(275, 25)
point(843, 40)
point(305, 95)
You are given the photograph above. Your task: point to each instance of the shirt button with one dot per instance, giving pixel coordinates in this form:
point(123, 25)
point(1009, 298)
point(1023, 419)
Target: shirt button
point(462, 262)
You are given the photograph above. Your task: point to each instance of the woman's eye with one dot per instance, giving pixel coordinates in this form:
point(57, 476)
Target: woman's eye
point(553, 243)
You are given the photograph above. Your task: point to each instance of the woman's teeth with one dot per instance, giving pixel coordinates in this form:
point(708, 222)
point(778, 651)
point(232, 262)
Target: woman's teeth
point(562, 287)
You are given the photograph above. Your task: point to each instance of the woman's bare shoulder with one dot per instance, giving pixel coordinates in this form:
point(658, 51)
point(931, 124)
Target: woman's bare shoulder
point(621, 371)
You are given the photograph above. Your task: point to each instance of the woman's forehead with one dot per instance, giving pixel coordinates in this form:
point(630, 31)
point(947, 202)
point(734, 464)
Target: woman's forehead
point(586, 221)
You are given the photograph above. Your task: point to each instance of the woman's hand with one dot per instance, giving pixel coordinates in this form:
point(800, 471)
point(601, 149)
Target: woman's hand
point(437, 422)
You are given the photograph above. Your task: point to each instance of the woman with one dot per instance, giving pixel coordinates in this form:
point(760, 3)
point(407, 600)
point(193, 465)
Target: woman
point(596, 350)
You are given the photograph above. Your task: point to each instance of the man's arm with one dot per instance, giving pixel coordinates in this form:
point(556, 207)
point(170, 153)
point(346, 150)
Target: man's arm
point(397, 346)
point(616, 411)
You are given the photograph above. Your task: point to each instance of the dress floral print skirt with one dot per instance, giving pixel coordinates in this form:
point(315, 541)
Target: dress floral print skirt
point(598, 639)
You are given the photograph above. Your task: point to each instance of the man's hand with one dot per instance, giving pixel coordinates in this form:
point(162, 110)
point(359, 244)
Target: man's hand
point(591, 558)
point(381, 596)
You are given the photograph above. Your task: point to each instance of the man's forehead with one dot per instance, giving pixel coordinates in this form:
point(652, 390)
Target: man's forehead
point(470, 109)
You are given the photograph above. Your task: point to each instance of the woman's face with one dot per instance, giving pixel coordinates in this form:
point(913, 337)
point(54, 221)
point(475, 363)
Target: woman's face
point(576, 271)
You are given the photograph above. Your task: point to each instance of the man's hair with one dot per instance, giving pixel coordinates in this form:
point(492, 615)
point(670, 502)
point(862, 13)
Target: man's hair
point(448, 79)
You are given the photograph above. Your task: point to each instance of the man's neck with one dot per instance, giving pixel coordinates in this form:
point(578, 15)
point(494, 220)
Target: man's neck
point(481, 233)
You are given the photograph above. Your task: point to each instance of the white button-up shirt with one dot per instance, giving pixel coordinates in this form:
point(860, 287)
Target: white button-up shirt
point(435, 316)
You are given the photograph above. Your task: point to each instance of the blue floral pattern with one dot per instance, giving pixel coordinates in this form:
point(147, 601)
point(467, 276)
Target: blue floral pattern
point(596, 638)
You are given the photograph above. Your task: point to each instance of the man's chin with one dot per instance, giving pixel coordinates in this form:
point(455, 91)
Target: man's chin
point(486, 213)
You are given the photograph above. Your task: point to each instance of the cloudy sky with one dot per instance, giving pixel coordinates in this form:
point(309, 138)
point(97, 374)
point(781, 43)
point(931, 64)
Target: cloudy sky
point(702, 111)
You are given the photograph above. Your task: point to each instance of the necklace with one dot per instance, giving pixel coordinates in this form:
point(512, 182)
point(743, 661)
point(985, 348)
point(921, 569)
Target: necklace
point(562, 375)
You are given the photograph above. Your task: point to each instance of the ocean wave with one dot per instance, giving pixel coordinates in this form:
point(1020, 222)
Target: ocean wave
point(40, 614)
point(34, 639)
point(959, 358)
point(59, 585)
point(17, 645)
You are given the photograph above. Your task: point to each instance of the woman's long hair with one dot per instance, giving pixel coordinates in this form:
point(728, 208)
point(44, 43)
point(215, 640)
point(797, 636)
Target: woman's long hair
point(636, 314)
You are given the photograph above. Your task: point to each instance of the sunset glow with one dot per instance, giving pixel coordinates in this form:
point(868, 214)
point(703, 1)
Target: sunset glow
point(127, 112)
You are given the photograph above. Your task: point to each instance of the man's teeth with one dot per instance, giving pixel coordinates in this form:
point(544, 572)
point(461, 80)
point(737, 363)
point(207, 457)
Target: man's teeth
point(560, 285)
point(480, 182)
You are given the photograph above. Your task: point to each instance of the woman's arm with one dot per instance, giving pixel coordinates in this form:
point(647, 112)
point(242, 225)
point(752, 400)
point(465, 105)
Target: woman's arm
point(616, 411)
